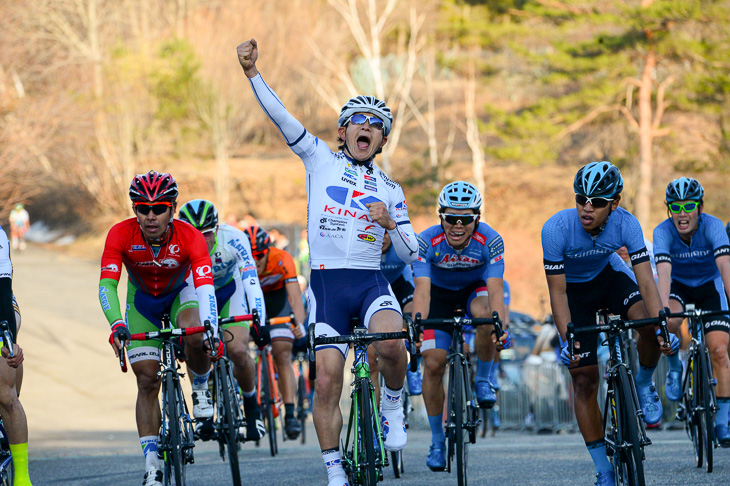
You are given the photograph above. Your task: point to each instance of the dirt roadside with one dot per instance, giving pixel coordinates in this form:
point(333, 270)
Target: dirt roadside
point(72, 384)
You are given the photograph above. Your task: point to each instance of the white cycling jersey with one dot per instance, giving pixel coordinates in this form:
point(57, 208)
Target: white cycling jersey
point(233, 261)
point(339, 230)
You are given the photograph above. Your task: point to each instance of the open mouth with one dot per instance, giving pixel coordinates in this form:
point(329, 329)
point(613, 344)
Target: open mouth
point(586, 220)
point(683, 224)
point(363, 142)
point(456, 235)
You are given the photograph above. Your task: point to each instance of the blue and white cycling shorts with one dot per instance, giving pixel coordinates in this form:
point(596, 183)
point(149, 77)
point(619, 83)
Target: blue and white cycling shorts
point(615, 289)
point(443, 304)
point(708, 296)
point(338, 295)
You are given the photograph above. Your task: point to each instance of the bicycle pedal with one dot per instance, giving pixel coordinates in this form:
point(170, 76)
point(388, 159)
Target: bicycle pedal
point(713, 382)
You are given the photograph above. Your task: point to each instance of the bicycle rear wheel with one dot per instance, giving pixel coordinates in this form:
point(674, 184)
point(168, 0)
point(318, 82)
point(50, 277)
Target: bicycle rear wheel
point(707, 421)
point(368, 468)
point(461, 434)
point(230, 419)
point(632, 456)
point(174, 458)
point(301, 410)
point(267, 404)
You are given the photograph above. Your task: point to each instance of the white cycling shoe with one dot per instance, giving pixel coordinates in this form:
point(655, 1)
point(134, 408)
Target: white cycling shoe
point(394, 429)
point(152, 477)
point(202, 404)
point(338, 481)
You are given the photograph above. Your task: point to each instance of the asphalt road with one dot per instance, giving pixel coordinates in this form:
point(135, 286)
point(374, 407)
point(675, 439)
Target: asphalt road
point(509, 458)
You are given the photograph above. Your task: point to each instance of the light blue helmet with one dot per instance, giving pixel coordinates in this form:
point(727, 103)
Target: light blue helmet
point(684, 189)
point(598, 179)
point(460, 195)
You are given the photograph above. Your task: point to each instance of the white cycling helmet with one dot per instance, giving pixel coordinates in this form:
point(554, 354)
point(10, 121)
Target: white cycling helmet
point(367, 104)
point(460, 195)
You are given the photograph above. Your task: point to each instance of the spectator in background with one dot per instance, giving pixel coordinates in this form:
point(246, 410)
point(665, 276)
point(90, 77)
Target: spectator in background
point(19, 226)
point(279, 239)
point(247, 221)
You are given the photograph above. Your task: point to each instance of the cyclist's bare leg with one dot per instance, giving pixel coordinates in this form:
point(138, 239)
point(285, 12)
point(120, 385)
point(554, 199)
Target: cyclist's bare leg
point(281, 350)
point(674, 325)
point(374, 371)
point(646, 343)
point(585, 392)
point(392, 359)
point(19, 369)
point(434, 366)
point(196, 359)
point(243, 365)
point(717, 344)
point(148, 388)
point(485, 349)
point(11, 410)
point(326, 413)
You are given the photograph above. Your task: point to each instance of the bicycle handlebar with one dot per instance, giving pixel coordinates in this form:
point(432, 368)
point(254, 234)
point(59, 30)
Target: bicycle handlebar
point(461, 322)
point(7, 338)
point(698, 313)
point(254, 317)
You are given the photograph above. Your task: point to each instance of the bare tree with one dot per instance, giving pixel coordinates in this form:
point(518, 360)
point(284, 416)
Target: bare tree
point(472, 122)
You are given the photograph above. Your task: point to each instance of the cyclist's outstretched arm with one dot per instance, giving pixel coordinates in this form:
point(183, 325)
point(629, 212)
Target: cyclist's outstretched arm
point(7, 312)
point(202, 274)
point(248, 275)
point(557, 286)
point(664, 281)
point(111, 271)
point(648, 288)
point(293, 131)
point(723, 264)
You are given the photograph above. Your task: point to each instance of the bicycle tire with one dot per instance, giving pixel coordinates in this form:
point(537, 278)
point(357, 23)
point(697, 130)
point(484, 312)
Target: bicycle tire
point(7, 471)
point(369, 471)
point(301, 411)
point(230, 432)
point(706, 422)
point(396, 459)
point(267, 403)
point(175, 463)
point(461, 434)
point(633, 456)
point(696, 431)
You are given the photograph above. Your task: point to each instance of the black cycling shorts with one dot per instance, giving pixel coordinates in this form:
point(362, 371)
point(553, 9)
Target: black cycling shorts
point(277, 305)
point(403, 290)
point(708, 296)
point(611, 289)
point(445, 301)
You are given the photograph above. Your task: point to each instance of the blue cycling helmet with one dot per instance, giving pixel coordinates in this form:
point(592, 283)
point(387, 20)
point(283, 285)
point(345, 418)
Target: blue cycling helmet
point(684, 189)
point(460, 195)
point(598, 179)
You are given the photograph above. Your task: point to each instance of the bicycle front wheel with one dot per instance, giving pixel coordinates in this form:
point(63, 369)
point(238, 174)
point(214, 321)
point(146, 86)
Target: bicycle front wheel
point(707, 421)
point(230, 419)
point(461, 434)
point(267, 404)
point(174, 457)
point(368, 468)
point(632, 455)
point(7, 470)
point(695, 419)
point(301, 410)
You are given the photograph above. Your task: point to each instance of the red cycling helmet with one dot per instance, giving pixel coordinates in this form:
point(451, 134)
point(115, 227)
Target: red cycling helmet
point(153, 187)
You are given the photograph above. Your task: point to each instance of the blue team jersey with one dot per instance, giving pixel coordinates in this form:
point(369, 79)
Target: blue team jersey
point(567, 248)
point(452, 269)
point(393, 267)
point(693, 264)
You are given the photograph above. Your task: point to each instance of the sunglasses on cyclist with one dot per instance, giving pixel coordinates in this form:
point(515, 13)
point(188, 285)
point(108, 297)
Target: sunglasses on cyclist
point(596, 202)
point(258, 255)
point(688, 207)
point(462, 219)
point(360, 119)
point(157, 208)
point(209, 233)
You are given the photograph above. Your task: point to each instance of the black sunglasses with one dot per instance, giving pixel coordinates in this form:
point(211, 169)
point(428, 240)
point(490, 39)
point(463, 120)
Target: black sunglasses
point(596, 202)
point(463, 219)
point(158, 209)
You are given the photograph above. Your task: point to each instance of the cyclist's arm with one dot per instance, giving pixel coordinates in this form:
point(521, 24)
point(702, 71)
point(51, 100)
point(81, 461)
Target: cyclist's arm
point(664, 280)
point(495, 287)
point(248, 275)
point(294, 294)
point(402, 236)
point(7, 313)
point(111, 271)
point(723, 264)
point(647, 287)
point(422, 296)
point(202, 273)
point(557, 288)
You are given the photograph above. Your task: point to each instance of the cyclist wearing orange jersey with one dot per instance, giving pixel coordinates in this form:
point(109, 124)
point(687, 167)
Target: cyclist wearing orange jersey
point(282, 296)
point(170, 272)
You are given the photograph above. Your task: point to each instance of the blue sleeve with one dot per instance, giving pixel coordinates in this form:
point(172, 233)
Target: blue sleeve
point(553, 246)
point(633, 236)
point(662, 244)
point(717, 237)
point(495, 256)
point(422, 266)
